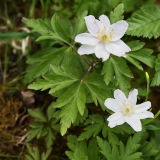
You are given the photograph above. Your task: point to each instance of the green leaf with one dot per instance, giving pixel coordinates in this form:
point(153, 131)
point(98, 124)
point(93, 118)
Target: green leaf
point(50, 111)
point(28, 157)
point(80, 23)
point(117, 14)
point(80, 119)
point(69, 111)
point(136, 45)
point(139, 54)
point(145, 22)
point(29, 149)
point(59, 30)
point(93, 150)
point(106, 150)
point(97, 88)
point(156, 78)
point(53, 36)
point(41, 61)
point(134, 62)
point(108, 71)
point(64, 79)
point(13, 35)
point(36, 125)
point(49, 138)
point(66, 97)
point(33, 152)
point(90, 130)
point(80, 150)
point(143, 55)
point(122, 67)
point(93, 129)
point(79, 155)
point(122, 72)
point(129, 152)
point(81, 99)
point(32, 133)
point(38, 25)
point(37, 113)
point(121, 152)
point(44, 155)
point(152, 127)
point(73, 144)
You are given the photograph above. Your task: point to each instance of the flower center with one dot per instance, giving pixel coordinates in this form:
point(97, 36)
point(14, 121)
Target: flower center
point(127, 108)
point(104, 36)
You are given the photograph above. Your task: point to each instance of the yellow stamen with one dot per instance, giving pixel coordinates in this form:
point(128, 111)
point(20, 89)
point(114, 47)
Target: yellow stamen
point(127, 108)
point(102, 36)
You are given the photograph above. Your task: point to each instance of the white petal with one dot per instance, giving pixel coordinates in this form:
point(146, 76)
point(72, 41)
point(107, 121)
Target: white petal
point(86, 49)
point(142, 107)
point(145, 114)
point(101, 52)
point(120, 121)
point(112, 104)
point(104, 20)
point(119, 96)
point(93, 25)
point(125, 47)
point(118, 48)
point(86, 38)
point(133, 96)
point(134, 122)
point(115, 116)
point(119, 28)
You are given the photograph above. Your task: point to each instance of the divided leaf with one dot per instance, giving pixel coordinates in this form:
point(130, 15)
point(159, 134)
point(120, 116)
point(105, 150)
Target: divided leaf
point(145, 22)
point(59, 30)
point(121, 152)
point(80, 150)
point(38, 25)
point(117, 14)
point(139, 54)
point(72, 101)
point(122, 72)
point(97, 88)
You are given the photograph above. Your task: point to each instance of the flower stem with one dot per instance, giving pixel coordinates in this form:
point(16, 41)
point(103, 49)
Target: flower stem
point(92, 65)
point(148, 82)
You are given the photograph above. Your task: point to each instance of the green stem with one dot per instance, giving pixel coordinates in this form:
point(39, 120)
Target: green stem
point(148, 82)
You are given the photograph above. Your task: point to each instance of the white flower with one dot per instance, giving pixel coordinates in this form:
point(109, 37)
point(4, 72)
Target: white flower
point(103, 38)
point(126, 110)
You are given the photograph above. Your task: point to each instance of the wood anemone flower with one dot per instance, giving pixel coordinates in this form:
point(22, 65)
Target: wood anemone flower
point(126, 110)
point(103, 38)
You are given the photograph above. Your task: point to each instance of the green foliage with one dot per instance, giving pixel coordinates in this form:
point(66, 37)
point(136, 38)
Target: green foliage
point(121, 152)
point(80, 84)
point(96, 124)
point(140, 54)
point(122, 72)
point(117, 14)
point(34, 154)
point(38, 26)
point(145, 22)
point(80, 150)
point(80, 23)
point(43, 127)
point(13, 35)
point(156, 78)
